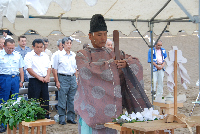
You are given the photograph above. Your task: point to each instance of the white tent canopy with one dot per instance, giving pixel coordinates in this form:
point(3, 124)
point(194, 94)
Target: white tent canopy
point(43, 15)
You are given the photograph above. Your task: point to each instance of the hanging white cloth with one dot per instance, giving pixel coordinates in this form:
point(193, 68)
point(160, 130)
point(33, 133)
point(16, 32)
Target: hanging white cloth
point(181, 71)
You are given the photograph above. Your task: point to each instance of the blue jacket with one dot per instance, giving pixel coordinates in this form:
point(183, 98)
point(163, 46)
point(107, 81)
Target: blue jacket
point(21, 51)
point(164, 55)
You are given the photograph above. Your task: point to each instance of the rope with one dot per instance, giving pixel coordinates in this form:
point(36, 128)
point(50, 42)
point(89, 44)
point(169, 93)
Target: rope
point(194, 106)
point(137, 20)
point(184, 119)
point(111, 7)
point(60, 21)
point(168, 19)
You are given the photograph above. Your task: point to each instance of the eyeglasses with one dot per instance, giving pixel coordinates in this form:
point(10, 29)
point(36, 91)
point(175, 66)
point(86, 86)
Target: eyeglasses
point(11, 49)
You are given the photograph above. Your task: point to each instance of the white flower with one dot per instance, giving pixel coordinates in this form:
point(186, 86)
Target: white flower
point(126, 113)
point(139, 116)
point(133, 116)
point(18, 100)
point(125, 118)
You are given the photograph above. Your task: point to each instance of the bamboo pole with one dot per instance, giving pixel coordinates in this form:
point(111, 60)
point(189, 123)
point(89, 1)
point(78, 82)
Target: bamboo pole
point(175, 81)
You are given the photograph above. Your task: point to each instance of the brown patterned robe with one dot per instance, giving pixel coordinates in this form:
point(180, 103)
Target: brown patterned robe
point(99, 97)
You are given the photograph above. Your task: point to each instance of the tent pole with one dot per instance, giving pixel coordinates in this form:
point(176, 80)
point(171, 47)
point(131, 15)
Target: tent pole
point(184, 10)
point(152, 45)
point(162, 33)
point(139, 33)
point(199, 46)
point(181, 19)
point(160, 10)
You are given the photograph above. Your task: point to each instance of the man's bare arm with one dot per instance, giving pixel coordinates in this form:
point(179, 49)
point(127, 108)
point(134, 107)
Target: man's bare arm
point(32, 73)
point(55, 74)
point(47, 77)
point(21, 73)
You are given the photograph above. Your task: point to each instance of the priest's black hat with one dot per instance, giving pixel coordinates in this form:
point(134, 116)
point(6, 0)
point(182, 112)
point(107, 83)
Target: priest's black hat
point(97, 23)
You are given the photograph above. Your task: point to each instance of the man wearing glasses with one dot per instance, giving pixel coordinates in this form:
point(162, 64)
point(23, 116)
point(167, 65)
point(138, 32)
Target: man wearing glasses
point(11, 68)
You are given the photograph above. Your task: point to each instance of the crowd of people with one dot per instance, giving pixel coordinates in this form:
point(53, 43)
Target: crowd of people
point(90, 83)
point(21, 64)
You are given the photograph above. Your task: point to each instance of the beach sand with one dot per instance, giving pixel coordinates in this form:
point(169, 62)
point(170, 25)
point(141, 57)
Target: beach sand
point(135, 46)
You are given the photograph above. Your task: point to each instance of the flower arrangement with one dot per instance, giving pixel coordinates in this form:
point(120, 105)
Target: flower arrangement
point(13, 112)
point(146, 115)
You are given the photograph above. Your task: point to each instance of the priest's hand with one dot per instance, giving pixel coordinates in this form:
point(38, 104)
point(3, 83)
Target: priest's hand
point(120, 63)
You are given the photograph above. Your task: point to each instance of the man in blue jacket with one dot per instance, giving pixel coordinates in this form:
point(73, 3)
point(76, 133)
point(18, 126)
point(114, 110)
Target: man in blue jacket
point(23, 50)
point(159, 55)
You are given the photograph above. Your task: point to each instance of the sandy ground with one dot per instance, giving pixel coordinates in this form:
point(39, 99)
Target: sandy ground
point(134, 45)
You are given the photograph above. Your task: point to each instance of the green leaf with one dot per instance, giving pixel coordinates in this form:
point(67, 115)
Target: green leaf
point(6, 112)
point(23, 111)
point(114, 120)
point(11, 121)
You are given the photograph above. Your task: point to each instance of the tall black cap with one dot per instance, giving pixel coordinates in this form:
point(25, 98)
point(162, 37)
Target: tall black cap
point(97, 23)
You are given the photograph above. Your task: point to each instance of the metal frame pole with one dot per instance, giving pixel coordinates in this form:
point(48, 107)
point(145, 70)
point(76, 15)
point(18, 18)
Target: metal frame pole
point(151, 46)
point(194, 19)
point(139, 33)
point(199, 46)
point(160, 10)
point(162, 33)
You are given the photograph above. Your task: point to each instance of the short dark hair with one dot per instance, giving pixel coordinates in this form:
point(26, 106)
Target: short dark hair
point(66, 39)
point(6, 31)
point(8, 40)
point(45, 40)
point(22, 36)
point(37, 41)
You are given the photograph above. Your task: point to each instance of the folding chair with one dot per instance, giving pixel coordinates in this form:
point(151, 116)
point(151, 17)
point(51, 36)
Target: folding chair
point(52, 79)
point(24, 92)
point(52, 102)
point(25, 85)
point(51, 84)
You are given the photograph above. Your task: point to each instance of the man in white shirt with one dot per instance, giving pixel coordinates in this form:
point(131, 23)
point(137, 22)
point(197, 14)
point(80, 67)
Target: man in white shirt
point(47, 51)
point(38, 66)
point(2, 40)
point(60, 48)
point(5, 34)
point(65, 73)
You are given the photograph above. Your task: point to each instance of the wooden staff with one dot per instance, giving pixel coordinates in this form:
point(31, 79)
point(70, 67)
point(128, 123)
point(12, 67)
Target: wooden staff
point(175, 81)
point(116, 44)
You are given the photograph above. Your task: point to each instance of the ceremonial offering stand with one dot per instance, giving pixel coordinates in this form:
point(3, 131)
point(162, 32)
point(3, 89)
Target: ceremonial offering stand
point(155, 127)
point(171, 122)
point(32, 124)
point(167, 108)
point(122, 130)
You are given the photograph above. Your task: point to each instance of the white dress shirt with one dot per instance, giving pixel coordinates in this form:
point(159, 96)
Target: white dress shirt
point(10, 63)
point(53, 55)
point(49, 53)
point(39, 64)
point(64, 63)
point(8, 37)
